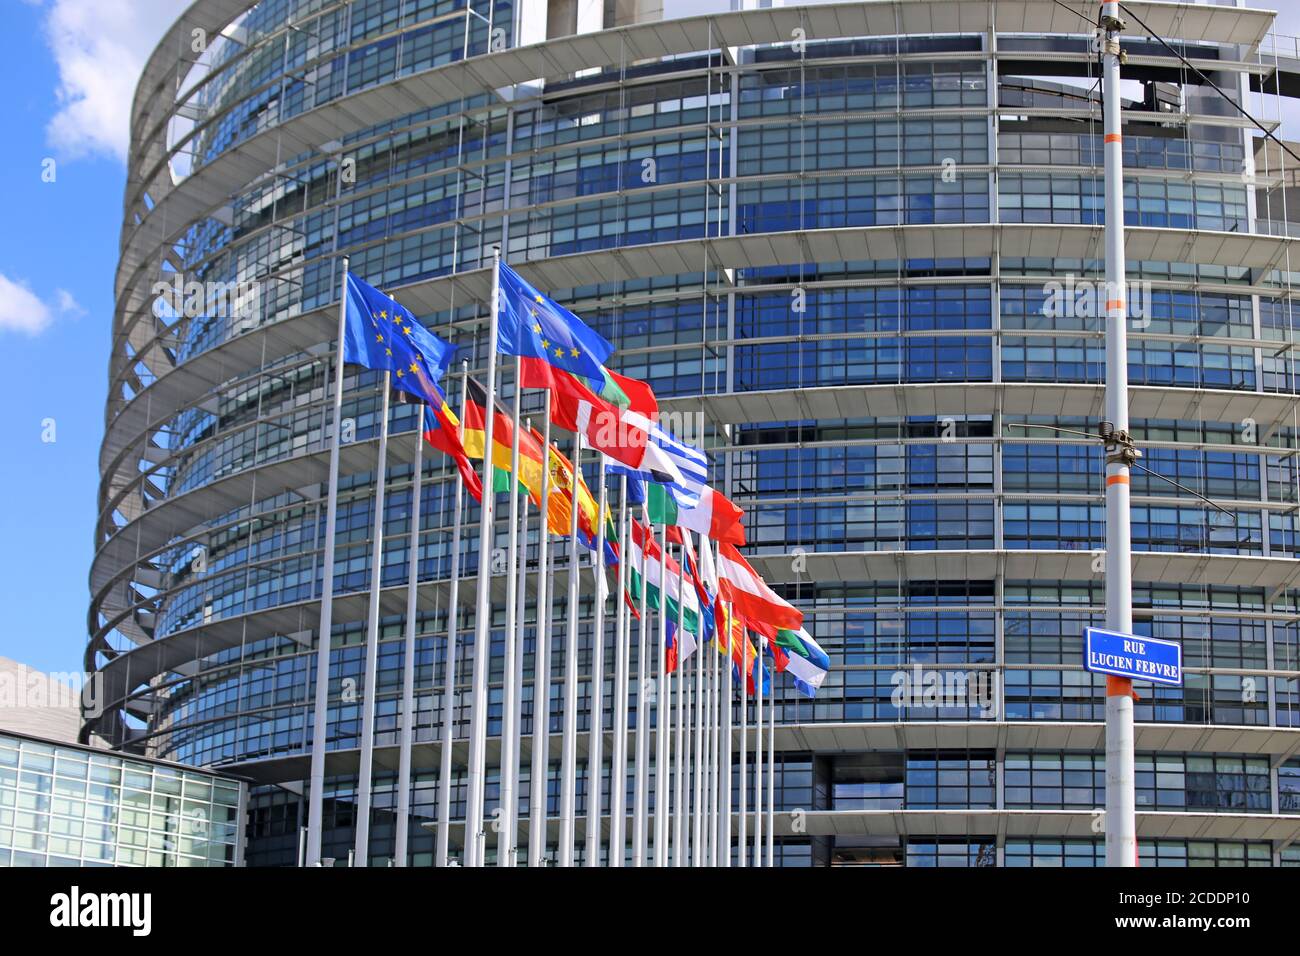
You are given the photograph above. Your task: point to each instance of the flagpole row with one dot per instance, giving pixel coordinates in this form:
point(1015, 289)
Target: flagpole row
point(449, 664)
point(701, 761)
point(618, 766)
point(474, 836)
point(541, 765)
point(743, 834)
point(663, 712)
point(402, 836)
point(521, 640)
point(642, 741)
point(679, 742)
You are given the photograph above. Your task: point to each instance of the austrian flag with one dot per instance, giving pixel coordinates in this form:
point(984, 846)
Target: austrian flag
point(741, 585)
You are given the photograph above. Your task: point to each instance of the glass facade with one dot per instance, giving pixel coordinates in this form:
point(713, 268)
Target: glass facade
point(862, 383)
point(62, 805)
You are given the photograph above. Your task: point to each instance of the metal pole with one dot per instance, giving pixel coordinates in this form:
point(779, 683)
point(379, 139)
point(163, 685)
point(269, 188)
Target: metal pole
point(320, 714)
point(596, 737)
point(679, 744)
point(449, 677)
point(725, 769)
point(701, 758)
point(640, 771)
point(483, 606)
point(758, 756)
point(569, 759)
point(509, 758)
point(663, 712)
point(408, 653)
point(517, 725)
point(1121, 825)
point(742, 837)
point(715, 718)
point(362, 842)
point(541, 765)
point(771, 782)
point(618, 764)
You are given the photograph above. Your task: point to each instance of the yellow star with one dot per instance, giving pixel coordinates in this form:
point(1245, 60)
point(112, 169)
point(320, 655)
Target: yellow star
point(383, 313)
point(538, 297)
point(406, 329)
point(545, 345)
point(574, 352)
point(400, 373)
point(537, 327)
point(559, 353)
point(415, 368)
point(388, 351)
point(379, 336)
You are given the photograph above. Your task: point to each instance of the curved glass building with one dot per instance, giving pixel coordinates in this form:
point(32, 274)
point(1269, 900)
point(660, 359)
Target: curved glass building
point(854, 247)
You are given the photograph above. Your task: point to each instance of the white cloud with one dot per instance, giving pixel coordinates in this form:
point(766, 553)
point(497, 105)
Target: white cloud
point(100, 47)
point(68, 304)
point(20, 308)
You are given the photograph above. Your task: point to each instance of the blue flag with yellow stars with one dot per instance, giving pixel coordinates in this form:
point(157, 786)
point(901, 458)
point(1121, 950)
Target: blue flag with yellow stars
point(380, 333)
point(533, 325)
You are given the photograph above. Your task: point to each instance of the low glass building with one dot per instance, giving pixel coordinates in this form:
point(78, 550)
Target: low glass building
point(67, 805)
point(854, 248)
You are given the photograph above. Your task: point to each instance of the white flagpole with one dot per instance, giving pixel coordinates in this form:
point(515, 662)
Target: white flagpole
point(618, 764)
point(679, 807)
point(541, 765)
point(362, 833)
point(715, 721)
point(698, 856)
point(596, 737)
point(509, 762)
point(521, 641)
point(569, 759)
point(724, 858)
point(743, 835)
point(771, 779)
point(402, 837)
point(474, 836)
point(663, 712)
point(449, 675)
point(641, 769)
point(758, 756)
point(320, 715)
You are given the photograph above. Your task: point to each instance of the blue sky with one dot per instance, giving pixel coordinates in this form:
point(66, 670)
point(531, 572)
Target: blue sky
point(58, 246)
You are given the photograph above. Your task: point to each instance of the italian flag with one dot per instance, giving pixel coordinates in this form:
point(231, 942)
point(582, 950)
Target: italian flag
point(715, 516)
point(741, 585)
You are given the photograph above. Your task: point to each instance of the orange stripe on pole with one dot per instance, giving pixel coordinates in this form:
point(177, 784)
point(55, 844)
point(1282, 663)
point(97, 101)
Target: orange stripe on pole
point(1118, 686)
point(1114, 137)
point(1114, 305)
point(1117, 479)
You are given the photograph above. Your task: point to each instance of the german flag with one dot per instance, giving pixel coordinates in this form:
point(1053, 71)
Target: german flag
point(530, 445)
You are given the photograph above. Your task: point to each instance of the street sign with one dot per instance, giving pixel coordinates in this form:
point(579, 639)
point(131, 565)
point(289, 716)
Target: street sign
point(1127, 655)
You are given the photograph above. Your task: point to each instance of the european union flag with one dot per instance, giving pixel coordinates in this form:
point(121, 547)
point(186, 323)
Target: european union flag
point(381, 333)
point(533, 325)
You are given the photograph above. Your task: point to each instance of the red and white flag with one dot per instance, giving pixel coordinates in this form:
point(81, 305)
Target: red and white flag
point(741, 585)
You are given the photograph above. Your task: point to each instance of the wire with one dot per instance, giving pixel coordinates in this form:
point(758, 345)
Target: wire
point(1178, 485)
point(1209, 82)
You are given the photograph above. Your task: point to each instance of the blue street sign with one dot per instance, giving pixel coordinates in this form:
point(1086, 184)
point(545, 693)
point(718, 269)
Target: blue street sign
point(1127, 655)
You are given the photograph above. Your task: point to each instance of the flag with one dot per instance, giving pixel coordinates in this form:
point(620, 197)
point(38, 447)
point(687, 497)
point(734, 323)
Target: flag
point(644, 544)
point(804, 660)
point(741, 585)
point(621, 431)
point(559, 517)
point(532, 325)
point(381, 333)
point(441, 430)
point(742, 649)
point(714, 515)
point(530, 446)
